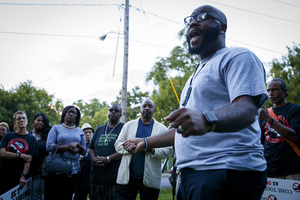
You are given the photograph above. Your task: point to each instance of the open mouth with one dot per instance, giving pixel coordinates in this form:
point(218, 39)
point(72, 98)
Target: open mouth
point(194, 36)
point(194, 33)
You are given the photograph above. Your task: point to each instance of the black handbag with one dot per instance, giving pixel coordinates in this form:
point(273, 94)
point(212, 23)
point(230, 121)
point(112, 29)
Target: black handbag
point(56, 165)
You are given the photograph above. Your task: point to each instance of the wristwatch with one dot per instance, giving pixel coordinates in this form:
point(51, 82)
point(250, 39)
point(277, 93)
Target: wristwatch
point(211, 119)
point(24, 175)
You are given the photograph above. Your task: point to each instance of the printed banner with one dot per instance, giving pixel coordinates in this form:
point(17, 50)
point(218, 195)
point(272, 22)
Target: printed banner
point(281, 189)
point(17, 194)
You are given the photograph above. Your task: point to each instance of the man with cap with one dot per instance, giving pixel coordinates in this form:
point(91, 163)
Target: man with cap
point(85, 163)
point(216, 129)
point(105, 159)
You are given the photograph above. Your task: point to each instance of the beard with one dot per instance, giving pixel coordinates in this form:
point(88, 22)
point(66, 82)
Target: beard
point(147, 115)
point(207, 38)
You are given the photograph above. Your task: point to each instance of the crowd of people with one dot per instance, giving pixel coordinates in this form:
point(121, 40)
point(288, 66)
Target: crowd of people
point(226, 142)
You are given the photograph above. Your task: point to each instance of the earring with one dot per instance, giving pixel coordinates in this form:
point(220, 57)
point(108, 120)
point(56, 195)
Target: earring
point(222, 32)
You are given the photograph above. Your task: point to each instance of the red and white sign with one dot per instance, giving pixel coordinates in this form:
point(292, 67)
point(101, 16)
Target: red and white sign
point(281, 189)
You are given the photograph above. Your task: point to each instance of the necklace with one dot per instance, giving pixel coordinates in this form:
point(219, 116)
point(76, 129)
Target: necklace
point(107, 134)
point(195, 74)
point(70, 127)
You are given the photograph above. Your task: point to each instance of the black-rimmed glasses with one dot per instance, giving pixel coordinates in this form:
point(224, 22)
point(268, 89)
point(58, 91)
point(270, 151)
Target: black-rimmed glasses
point(199, 18)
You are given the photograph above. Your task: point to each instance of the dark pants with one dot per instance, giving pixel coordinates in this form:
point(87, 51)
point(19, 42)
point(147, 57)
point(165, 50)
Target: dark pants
point(60, 187)
point(83, 187)
point(129, 191)
point(221, 185)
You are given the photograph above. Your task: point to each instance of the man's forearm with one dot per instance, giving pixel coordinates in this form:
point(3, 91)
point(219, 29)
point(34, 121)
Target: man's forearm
point(284, 131)
point(26, 167)
point(163, 140)
point(236, 116)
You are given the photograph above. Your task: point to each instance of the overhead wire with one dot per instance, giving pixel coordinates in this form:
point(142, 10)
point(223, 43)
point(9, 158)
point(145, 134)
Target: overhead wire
point(119, 32)
point(283, 2)
point(150, 29)
point(245, 10)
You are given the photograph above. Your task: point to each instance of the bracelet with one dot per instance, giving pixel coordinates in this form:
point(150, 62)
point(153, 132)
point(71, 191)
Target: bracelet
point(108, 160)
point(146, 144)
point(271, 121)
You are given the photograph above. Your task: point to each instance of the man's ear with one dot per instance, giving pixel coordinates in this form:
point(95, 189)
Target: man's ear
point(223, 28)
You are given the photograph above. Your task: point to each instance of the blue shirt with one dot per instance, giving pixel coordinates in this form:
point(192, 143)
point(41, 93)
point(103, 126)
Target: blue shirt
point(61, 135)
point(138, 160)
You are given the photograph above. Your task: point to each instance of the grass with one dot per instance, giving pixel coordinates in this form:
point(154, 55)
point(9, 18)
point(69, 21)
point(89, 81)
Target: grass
point(164, 194)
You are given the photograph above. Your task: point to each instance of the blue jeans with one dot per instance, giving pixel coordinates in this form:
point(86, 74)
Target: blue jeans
point(37, 188)
point(221, 185)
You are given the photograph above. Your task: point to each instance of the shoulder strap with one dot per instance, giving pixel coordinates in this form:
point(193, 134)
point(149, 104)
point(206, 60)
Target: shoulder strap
point(272, 114)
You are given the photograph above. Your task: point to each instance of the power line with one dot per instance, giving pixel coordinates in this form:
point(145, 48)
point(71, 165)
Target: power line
point(262, 48)
point(283, 2)
point(65, 35)
point(56, 4)
point(142, 10)
point(118, 5)
point(241, 9)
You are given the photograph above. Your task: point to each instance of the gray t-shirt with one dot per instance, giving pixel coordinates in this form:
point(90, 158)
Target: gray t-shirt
point(228, 74)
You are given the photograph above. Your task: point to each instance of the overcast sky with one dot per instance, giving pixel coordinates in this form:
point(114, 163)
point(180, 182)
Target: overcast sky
point(56, 43)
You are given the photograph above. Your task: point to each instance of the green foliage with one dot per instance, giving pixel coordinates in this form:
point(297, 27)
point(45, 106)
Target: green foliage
point(288, 69)
point(94, 112)
point(31, 100)
point(134, 100)
point(178, 66)
point(99, 119)
point(89, 109)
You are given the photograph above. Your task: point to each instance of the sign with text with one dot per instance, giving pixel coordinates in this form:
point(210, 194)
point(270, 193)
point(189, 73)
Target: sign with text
point(17, 194)
point(281, 189)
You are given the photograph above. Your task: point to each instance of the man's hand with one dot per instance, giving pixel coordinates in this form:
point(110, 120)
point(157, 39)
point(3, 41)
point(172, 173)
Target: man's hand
point(190, 121)
point(100, 161)
point(22, 182)
point(26, 158)
point(264, 114)
point(135, 145)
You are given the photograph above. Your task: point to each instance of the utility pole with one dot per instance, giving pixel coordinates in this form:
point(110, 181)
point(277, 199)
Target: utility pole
point(125, 64)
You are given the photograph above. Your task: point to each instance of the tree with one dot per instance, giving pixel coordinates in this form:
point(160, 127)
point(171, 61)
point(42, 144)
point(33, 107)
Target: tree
point(99, 119)
point(288, 69)
point(134, 100)
point(179, 66)
point(89, 109)
point(31, 100)
point(94, 112)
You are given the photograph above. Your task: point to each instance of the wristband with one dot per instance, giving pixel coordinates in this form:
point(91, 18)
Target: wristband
point(19, 155)
point(146, 144)
point(108, 160)
point(213, 127)
point(211, 119)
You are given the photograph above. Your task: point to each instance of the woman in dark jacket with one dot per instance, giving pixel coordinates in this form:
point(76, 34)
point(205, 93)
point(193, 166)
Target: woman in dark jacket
point(41, 127)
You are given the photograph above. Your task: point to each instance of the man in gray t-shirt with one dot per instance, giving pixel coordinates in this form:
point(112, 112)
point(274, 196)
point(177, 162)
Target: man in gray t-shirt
point(216, 129)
